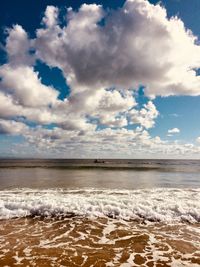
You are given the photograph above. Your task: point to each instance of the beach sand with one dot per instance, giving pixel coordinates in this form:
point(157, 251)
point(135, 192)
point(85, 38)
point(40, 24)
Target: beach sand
point(99, 242)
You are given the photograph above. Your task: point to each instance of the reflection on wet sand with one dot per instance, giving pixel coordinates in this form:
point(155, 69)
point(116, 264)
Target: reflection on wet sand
point(80, 241)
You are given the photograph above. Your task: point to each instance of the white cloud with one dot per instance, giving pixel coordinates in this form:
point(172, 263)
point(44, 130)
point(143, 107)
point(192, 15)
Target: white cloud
point(174, 115)
point(9, 108)
point(107, 142)
point(12, 127)
point(25, 86)
point(18, 46)
point(51, 16)
point(103, 63)
point(110, 108)
point(145, 116)
point(173, 131)
point(137, 45)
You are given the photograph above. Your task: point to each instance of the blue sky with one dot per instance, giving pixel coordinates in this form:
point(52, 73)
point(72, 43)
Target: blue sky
point(79, 87)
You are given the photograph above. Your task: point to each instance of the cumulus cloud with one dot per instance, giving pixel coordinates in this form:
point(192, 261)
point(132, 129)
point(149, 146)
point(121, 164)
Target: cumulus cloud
point(50, 16)
point(25, 86)
point(145, 117)
point(106, 143)
point(104, 57)
point(18, 46)
point(9, 109)
point(12, 127)
point(136, 45)
point(112, 107)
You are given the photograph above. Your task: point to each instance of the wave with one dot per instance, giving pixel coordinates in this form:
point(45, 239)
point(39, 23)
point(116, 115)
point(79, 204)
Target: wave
point(155, 205)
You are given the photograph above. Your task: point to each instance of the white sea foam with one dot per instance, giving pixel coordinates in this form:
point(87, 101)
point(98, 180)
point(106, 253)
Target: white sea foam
point(165, 205)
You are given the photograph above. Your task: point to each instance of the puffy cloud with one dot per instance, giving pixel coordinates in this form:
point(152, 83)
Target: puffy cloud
point(104, 57)
point(106, 120)
point(112, 106)
point(136, 45)
point(173, 131)
point(18, 46)
point(25, 86)
point(9, 108)
point(76, 123)
point(145, 116)
point(51, 16)
point(12, 127)
point(115, 101)
point(106, 143)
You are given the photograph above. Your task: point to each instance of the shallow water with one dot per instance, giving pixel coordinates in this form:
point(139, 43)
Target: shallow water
point(118, 213)
point(79, 241)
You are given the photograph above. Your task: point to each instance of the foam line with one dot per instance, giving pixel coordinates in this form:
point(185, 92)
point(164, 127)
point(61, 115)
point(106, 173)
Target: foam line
point(164, 205)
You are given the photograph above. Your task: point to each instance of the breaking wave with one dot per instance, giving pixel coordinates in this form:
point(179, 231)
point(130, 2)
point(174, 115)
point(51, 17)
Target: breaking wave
point(155, 205)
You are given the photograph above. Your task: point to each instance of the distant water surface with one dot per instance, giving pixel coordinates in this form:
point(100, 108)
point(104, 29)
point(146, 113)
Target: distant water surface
point(111, 174)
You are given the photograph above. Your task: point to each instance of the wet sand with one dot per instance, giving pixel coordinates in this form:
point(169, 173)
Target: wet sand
point(99, 242)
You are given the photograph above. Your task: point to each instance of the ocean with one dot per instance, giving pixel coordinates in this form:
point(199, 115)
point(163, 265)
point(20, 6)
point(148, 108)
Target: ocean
point(99, 212)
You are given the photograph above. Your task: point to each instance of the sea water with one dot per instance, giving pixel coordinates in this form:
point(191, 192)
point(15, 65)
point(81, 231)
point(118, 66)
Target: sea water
point(104, 213)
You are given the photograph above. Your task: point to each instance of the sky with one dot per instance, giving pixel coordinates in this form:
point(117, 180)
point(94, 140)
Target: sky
point(100, 79)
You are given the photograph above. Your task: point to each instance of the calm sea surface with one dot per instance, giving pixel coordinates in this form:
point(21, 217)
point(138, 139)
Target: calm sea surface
point(113, 174)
